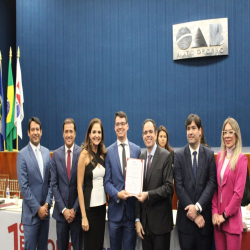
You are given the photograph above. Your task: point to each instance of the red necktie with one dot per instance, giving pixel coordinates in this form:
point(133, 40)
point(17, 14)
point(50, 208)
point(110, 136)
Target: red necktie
point(68, 163)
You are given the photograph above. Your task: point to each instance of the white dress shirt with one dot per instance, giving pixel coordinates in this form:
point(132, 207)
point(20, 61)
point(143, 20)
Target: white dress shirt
point(66, 159)
point(152, 153)
point(40, 153)
point(192, 156)
point(71, 155)
point(192, 159)
point(120, 149)
point(222, 172)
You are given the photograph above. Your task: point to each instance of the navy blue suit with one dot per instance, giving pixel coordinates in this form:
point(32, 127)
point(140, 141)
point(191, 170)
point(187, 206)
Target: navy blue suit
point(36, 191)
point(113, 183)
point(189, 191)
point(66, 196)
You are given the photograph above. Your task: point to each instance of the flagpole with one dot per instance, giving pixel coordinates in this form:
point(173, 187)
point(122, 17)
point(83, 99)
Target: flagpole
point(14, 88)
point(2, 78)
point(10, 56)
point(18, 56)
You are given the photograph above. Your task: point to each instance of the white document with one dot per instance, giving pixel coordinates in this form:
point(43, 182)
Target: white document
point(134, 176)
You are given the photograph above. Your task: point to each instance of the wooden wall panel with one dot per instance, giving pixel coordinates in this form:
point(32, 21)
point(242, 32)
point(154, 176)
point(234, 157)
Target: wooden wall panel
point(8, 166)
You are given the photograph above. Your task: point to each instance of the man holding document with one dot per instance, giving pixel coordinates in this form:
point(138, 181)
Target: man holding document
point(121, 204)
point(153, 208)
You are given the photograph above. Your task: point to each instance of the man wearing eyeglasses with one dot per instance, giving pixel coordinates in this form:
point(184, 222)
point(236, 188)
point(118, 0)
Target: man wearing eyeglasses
point(121, 204)
point(195, 182)
point(153, 208)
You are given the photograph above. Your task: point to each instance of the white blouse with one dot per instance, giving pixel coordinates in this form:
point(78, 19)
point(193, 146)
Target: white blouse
point(98, 195)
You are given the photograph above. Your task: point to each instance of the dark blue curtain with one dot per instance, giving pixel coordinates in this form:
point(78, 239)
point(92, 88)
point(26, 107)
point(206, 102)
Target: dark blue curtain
point(90, 58)
point(7, 39)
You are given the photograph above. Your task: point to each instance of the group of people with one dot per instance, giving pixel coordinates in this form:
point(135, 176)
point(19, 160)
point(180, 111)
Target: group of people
point(83, 179)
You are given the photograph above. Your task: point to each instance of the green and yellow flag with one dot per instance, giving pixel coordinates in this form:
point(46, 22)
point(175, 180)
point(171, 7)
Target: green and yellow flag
point(10, 127)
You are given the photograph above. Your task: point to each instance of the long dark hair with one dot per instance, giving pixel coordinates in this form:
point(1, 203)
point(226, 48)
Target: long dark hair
point(202, 138)
point(168, 147)
point(86, 145)
point(246, 196)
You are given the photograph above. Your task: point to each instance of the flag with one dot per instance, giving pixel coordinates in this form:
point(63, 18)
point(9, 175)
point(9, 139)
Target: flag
point(19, 114)
point(2, 113)
point(10, 127)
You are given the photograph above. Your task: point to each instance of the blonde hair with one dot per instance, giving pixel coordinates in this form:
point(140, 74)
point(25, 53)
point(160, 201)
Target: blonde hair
point(238, 144)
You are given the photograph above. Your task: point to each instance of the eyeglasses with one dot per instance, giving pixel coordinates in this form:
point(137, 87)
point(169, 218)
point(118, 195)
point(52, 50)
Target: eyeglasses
point(148, 132)
point(228, 133)
point(120, 124)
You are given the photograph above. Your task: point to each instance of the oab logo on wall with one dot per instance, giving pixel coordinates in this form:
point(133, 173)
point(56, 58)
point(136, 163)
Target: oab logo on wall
point(200, 38)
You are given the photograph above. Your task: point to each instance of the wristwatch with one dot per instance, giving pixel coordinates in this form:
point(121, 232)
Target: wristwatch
point(197, 210)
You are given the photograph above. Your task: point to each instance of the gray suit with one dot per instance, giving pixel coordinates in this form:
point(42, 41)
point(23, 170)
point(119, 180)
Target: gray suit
point(35, 191)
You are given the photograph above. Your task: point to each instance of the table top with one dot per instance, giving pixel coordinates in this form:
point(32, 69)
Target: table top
point(18, 208)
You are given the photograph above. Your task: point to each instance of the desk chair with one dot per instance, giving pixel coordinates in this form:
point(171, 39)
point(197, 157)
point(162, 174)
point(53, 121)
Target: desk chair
point(14, 188)
point(2, 188)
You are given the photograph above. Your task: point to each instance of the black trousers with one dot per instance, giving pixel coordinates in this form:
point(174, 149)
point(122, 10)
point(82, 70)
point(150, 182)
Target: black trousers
point(63, 229)
point(195, 241)
point(155, 241)
point(93, 239)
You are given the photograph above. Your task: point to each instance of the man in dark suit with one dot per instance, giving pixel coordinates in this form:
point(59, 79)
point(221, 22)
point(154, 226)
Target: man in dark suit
point(195, 182)
point(64, 185)
point(33, 171)
point(121, 204)
point(153, 211)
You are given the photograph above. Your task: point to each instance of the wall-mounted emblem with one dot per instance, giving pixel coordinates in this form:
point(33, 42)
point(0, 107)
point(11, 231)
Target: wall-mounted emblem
point(200, 38)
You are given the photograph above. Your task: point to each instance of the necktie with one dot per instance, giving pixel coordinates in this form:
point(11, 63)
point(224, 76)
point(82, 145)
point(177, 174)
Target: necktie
point(149, 164)
point(195, 164)
point(123, 159)
point(38, 158)
point(68, 163)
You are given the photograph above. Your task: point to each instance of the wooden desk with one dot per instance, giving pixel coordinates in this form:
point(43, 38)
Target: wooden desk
point(245, 243)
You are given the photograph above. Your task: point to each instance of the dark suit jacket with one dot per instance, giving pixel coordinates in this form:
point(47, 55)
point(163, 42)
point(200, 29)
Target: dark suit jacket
point(157, 210)
point(190, 191)
point(35, 189)
point(114, 182)
point(62, 187)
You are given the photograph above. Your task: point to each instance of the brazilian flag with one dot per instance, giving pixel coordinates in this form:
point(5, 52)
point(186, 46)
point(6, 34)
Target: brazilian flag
point(10, 127)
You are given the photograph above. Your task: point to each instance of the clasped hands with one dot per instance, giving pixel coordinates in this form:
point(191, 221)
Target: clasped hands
point(69, 214)
point(43, 211)
point(192, 215)
point(217, 219)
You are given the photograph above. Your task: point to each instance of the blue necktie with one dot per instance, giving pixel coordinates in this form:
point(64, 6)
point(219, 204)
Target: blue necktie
point(39, 160)
point(195, 164)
